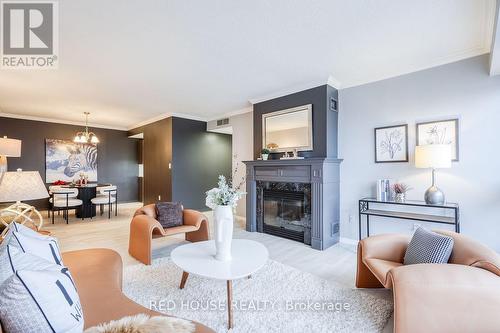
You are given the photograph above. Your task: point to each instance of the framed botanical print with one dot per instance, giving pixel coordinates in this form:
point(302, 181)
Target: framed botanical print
point(391, 144)
point(443, 132)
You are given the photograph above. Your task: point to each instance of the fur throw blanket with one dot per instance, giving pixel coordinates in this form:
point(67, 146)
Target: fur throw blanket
point(143, 323)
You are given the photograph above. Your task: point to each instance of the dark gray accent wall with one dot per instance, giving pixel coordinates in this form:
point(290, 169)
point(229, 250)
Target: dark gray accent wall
point(332, 121)
point(117, 154)
point(324, 119)
point(199, 157)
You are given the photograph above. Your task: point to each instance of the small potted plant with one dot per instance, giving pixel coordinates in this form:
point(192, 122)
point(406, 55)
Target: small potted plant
point(265, 154)
point(400, 190)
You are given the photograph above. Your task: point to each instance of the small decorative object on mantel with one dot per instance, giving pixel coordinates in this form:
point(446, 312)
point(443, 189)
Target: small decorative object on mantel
point(443, 132)
point(223, 199)
point(391, 144)
point(265, 154)
point(400, 190)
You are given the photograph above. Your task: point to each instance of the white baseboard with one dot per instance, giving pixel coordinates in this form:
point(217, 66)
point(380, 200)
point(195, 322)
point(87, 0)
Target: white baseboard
point(349, 241)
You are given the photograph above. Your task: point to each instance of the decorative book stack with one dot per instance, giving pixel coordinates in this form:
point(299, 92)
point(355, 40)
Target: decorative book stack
point(384, 190)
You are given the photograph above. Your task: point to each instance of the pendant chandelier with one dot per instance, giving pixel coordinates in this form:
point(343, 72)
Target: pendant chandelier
point(86, 136)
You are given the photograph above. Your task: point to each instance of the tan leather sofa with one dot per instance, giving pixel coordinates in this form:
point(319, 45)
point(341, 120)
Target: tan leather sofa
point(98, 278)
point(461, 296)
point(144, 227)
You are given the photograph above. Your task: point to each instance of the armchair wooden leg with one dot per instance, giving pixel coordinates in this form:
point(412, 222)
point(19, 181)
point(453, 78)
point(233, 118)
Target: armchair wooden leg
point(184, 278)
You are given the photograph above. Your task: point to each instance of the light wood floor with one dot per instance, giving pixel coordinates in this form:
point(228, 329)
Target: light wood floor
point(337, 263)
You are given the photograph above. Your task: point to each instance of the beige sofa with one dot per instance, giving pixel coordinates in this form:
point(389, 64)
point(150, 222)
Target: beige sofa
point(461, 296)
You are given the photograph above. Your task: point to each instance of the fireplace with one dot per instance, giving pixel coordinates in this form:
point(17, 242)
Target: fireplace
point(296, 199)
point(285, 210)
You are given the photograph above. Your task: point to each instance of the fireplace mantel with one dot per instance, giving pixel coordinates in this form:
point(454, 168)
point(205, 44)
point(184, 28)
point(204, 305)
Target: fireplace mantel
point(322, 173)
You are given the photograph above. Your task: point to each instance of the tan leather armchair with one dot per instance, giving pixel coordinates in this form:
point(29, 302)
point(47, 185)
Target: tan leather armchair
point(97, 274)
point(461, 296)
point(144, 227)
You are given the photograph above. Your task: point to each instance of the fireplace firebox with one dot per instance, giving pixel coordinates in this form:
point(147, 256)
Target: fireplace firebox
point(285, 210)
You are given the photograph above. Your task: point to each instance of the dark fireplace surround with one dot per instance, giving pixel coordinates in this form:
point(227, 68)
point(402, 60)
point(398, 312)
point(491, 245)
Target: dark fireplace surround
point(298, 199)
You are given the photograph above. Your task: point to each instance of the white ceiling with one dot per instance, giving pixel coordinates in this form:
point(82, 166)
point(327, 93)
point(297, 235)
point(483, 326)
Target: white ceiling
point(129, 61)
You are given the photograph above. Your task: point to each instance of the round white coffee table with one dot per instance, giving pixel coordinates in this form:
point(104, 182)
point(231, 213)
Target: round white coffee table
point(198, 258)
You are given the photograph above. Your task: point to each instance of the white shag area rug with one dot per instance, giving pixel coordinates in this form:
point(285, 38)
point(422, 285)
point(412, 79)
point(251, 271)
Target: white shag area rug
point(278, 298)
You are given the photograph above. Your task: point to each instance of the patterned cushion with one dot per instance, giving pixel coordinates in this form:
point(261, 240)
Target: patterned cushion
point(427, 247)
point(169, 214)
point(40, 301)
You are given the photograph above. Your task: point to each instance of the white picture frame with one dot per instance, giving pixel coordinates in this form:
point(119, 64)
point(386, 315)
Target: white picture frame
point(391, 144)
point(440, 132)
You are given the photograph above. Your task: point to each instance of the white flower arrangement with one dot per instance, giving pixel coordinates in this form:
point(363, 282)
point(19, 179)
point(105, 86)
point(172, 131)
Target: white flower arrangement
point(223, 195)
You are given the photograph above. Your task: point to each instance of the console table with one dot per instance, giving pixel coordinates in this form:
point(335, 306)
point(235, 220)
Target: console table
point(366, 210)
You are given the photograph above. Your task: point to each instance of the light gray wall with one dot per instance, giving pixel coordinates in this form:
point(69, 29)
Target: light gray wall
point(462, 89)
point(242, 151)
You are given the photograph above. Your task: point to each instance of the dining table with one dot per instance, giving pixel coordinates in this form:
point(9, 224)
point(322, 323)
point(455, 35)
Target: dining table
point(86, 192)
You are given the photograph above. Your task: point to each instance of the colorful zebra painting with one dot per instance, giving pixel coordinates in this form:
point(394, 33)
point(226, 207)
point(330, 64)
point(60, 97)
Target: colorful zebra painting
point(65, 160)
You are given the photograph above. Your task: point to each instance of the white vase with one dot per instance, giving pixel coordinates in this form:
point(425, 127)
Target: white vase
point(223, 229)
point(265, 157)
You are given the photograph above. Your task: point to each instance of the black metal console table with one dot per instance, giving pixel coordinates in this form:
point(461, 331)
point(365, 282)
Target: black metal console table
point(365, 209)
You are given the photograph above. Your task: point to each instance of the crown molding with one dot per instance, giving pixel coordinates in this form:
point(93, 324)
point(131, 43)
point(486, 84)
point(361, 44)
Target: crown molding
point(59, 121)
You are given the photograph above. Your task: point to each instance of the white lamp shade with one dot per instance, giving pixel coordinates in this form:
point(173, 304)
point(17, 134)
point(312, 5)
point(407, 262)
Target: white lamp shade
point(10, 147)
point(22, 186)
point(433, 156)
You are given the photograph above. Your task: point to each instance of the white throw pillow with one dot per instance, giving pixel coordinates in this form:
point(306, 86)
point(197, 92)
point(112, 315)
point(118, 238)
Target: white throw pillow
point(12, 259)
point(25, 230)
point(41, 301)
point(42, 246)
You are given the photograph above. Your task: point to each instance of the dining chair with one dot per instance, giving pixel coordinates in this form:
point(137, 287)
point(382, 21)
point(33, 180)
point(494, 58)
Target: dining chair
point(63, 198)
point(107, 195)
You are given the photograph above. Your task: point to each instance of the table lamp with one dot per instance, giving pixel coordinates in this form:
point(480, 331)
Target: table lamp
point(17, 186)
point(8, 148)
point(434, 157)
